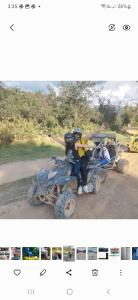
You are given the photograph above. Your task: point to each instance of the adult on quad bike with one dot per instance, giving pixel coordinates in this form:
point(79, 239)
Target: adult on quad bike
point(81, 145)
point(57, 186)
point(78, 144)
point(75, 145)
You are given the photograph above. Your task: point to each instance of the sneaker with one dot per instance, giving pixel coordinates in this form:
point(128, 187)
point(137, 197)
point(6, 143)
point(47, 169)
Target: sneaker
point(80, 190)
point(85, 189)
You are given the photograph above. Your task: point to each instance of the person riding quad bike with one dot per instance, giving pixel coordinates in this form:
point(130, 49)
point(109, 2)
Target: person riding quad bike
point(81, 146)
point(77, 144)
point(102, 154)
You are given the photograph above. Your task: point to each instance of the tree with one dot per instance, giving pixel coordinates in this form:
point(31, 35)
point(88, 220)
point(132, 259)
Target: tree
point(108, 112)
point(74, 102)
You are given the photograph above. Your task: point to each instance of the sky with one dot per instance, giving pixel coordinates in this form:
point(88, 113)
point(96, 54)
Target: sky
point(117, 91)
point(120, 91)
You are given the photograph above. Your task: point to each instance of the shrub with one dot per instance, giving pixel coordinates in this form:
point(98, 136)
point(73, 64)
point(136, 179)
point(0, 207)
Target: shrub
point(19, 131)
point(6, 137)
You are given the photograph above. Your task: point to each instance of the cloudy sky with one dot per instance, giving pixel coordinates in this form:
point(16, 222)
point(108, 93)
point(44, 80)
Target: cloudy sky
point(123, 91)
point(116, 91)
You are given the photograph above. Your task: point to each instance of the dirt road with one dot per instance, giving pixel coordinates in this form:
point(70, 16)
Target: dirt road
point(14, 171)
point(117, 199)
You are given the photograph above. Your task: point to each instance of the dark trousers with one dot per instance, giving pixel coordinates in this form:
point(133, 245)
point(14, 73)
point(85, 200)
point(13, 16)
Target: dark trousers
point(76, 171)
point(80, 171)
point(83, 170)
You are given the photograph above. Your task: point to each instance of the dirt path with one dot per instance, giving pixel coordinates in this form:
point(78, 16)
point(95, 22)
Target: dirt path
point(117, 199)
point(13, 171)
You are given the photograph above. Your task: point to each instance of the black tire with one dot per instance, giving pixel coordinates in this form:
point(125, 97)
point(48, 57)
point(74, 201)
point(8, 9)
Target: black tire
point(31, 195)
point(96, 184)
point(65, 205)
point(122, 166)
point(102, 174)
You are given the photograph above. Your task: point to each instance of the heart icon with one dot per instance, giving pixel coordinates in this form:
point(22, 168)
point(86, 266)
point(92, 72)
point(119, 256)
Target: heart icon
point(17, 272)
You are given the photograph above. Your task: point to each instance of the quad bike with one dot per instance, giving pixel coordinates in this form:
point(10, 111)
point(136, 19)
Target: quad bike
point(58, 186)
point(109, 141)
point(133, 144)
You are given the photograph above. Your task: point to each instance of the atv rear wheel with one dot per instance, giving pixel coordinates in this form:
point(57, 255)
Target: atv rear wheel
point(65, 205)
point(32, 197)
point(122, 166)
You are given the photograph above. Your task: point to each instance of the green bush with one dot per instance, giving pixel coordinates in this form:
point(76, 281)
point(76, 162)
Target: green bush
point(6, 137)
point(21, 130)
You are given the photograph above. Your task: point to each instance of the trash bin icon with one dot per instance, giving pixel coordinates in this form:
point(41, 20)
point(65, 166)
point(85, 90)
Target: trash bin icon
point(94, 272)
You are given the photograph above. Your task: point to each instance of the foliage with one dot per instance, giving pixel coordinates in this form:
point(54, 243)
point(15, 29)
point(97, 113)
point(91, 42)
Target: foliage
point(25, 115)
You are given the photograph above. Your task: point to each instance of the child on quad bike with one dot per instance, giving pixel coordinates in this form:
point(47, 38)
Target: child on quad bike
point(101, 153)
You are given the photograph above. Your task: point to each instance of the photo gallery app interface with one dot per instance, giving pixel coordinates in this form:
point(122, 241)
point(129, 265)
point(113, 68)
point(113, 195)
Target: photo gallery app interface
point(68, 149)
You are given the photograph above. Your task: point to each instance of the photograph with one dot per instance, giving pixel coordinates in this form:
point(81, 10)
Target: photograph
point(45, 253)
point(71, 146)
point(114, 253)
point(92, 253)
point(134, 253)
point(125, 253)
point(30, 253)
point(103, 253)
point(56, 253)
point(69, 253)
point(15, 253)
point(4, 253)
point(81, 253)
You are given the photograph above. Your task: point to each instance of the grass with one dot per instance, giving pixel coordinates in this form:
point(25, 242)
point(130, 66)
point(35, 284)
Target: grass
point(38, 148)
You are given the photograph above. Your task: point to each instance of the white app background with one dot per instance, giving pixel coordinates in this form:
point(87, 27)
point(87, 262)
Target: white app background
point(68, 40)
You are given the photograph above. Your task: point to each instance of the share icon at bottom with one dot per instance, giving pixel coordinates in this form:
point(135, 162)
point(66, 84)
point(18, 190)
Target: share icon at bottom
point(69, 272)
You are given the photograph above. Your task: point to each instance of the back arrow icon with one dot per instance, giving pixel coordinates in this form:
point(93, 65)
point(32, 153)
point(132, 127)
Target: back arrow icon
point(11, 27)
point(108, 292)
point(69, 272)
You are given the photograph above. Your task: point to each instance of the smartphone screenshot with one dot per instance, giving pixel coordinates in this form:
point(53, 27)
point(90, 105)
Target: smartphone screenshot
point(68, 149)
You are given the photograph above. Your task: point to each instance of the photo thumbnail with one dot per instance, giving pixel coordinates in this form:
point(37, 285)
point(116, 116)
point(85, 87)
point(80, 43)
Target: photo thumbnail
point(4, 253)
point(92, 253)
point(135, 253)
point(114, 253)
point(30, 253)
point(81, 253)
point(73, 146)
point(16, 253)
point(103, 253)
point(45, 253)
point(125, 253)
point(56, 253)
point(68, 253)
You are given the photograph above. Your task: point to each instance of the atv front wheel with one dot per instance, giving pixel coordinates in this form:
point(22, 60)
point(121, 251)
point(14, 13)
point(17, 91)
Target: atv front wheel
point(102, 174)
point(96, 184)
point(122, 166)
point(32, 197)
point(65, 205)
